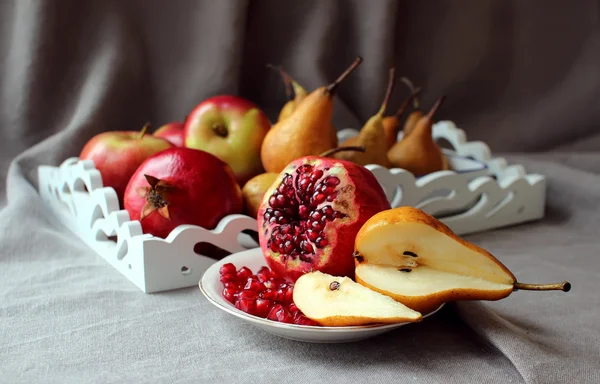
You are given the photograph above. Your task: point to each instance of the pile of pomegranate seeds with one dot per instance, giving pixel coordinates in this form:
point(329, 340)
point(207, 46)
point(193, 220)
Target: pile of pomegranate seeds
point(262, 294)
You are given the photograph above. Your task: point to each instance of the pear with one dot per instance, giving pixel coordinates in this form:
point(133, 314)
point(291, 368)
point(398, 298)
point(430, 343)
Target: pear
point(418, 153)
point(372, 136)
point(338, 301)
point(294, 91)
point(417, 113)
point(417, 260)
point(254, 190)
point(307, 130)
point(391, 124)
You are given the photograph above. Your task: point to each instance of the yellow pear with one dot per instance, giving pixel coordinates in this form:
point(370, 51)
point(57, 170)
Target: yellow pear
point(417, 112)
point(294, 92)
point(306, 131)
point(417, 260)
point(391, 124)
point(254, 190)
point(418, 153)
point(372, 136)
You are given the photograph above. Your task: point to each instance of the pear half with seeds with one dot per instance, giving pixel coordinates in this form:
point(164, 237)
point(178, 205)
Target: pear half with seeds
point(417, 260)
point(339, 301)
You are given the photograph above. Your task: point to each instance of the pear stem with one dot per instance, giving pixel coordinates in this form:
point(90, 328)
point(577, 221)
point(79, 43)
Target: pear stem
point(287, 80)
point(406, 103)
point(388, 92)
point(565, 286)
point(436, 106)
point(333, 151)
point(333, 86)
point(144, 130)
point(415, 91)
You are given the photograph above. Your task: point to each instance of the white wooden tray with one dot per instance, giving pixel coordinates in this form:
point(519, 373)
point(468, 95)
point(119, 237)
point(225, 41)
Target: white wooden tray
point(481, 193)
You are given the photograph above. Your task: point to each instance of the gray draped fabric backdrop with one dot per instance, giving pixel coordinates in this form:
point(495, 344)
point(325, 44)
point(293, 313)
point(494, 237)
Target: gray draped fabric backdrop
point(523, 76)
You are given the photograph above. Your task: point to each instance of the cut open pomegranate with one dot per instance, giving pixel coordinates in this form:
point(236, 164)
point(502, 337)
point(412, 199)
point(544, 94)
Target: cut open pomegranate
point(309, 217)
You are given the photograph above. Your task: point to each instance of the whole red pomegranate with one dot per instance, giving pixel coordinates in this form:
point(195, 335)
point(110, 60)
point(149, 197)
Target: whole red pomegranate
point(309, 217)
point(182, 186)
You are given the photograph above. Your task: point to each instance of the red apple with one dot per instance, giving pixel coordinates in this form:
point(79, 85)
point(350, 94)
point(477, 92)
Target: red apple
point(117, 154)
point(173, 132)
point(232, 129)
point(182, 186)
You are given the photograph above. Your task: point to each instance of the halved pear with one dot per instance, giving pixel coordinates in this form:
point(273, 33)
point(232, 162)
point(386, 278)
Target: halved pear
point(417, 260)
point(339, 301)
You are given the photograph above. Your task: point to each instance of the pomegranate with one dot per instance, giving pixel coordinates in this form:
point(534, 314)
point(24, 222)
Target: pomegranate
point(182, 186)
point(309, 217)
point(248, 293)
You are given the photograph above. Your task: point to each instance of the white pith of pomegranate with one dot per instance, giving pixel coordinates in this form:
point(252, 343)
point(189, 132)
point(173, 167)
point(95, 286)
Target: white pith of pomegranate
point(262, 294)
point(309, 217)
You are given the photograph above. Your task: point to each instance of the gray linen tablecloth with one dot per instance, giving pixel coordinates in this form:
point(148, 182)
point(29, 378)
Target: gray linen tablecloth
point(522, 76)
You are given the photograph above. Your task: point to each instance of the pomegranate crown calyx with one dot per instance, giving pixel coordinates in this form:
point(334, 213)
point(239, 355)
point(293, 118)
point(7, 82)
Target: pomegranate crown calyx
point(155, 196)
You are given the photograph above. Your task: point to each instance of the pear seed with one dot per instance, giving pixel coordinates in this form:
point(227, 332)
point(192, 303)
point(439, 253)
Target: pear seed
point(335, 285)
point(358, 257)
point(404, 270)
point(408, 253)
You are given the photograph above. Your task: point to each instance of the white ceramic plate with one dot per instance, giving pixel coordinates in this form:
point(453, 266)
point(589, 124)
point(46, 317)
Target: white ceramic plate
point(211, 287)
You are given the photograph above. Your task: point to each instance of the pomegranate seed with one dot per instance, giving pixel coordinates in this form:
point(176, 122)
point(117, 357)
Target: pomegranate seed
point(318, 198)
point(316, 175)
point(279, 313)
point(252, 284)
point(228, 268)
point(321, 243)
point(306, 168)
point(263, 307)
point(274, 283)
point(247, 294)
point(244, 273)
point(289, 295)
point(312, 235)
point(285, 295)
point(293, 309)
point(263, 274)
point(228, 278)
point(268, 294)
point(246, 305)
point(229, 294)
point(332, 181)
point(231, 284)
point(273, 312)
point(303, 320)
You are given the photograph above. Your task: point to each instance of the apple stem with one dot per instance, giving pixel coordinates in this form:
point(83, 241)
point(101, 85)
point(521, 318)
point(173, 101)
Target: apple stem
point(406, 103)
point(287, 80)
point(333, 151)
point(144, 130)
point(333, 86)
point(565, 286)
point(388, 91)
point(415, 91)
point(436, 106)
